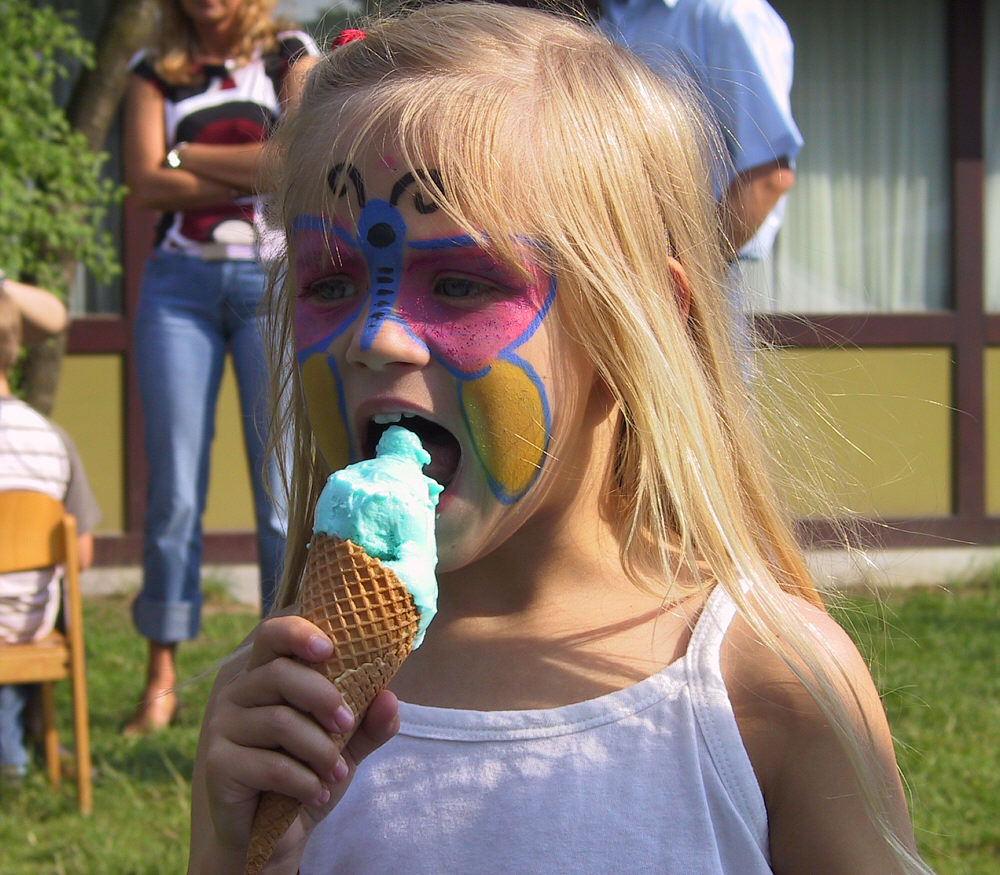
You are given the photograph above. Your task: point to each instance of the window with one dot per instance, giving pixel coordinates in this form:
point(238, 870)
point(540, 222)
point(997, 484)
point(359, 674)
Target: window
point(867, 225)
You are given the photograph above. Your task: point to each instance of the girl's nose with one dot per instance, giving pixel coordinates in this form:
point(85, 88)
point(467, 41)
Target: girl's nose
point(380, 342)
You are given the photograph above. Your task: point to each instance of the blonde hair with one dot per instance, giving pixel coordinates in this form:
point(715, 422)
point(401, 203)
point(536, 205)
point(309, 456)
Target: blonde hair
point(176, 44)
point(539, 127)
point(10, 331)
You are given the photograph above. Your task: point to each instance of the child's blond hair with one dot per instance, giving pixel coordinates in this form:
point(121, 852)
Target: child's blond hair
point(538, 127)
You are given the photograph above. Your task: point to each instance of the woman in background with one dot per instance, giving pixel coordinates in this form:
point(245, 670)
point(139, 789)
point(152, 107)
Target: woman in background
point(201, 102)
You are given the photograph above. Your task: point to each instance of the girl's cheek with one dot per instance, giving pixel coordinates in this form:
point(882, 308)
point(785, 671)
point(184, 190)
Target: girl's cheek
point(323, 392)
point(317, 326)
point(469, 341)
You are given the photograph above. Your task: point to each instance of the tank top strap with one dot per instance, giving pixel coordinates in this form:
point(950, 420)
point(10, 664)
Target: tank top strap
point(714, 712)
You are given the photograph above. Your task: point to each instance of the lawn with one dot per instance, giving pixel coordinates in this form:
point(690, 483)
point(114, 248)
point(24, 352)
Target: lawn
point(936, 656)
point(141, 787)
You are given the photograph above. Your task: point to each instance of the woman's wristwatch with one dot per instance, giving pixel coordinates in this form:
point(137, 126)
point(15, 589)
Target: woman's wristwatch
point(173, 159)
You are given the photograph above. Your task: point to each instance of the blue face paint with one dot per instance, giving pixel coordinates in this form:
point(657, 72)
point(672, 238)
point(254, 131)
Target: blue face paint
point(391, 278)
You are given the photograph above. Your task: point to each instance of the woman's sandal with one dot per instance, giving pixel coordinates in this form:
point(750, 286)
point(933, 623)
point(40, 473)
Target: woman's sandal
point(155, 714)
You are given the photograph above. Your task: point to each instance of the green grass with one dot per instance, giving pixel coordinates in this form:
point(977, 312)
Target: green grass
point(936, 657)
point(141, 789)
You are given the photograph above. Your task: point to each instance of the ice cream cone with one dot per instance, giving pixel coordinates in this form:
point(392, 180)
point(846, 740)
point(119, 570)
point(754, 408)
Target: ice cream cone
point(372, 620)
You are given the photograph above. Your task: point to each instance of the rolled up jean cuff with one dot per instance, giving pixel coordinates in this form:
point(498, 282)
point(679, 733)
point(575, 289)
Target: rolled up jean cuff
point(167, 622)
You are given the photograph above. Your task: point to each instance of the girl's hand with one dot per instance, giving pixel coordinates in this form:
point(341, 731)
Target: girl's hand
point(267, 726)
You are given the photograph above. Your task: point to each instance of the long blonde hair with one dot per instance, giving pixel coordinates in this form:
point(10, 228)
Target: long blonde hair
point(539, 127)
point(176, 44)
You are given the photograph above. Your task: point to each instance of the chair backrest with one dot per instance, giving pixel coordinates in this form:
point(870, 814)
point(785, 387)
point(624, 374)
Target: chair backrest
point(35, 531)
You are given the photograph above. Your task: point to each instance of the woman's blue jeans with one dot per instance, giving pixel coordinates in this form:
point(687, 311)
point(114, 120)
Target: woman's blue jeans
point(190, 313)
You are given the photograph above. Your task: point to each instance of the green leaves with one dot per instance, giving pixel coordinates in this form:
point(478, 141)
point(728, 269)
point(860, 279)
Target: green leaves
point(53, 199)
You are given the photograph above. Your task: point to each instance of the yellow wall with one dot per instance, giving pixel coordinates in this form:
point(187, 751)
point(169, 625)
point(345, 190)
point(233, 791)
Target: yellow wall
point(992, 390)
point(89, 406)
point(868, 429)
point(230, 502)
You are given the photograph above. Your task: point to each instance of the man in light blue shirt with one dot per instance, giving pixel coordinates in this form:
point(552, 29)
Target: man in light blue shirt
point(740, 52)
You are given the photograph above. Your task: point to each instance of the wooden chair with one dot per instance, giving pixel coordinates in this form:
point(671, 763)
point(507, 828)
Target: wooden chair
point(37, 532)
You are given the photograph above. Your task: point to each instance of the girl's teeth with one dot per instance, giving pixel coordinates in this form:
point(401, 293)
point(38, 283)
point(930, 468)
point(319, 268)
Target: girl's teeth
point(387, 418)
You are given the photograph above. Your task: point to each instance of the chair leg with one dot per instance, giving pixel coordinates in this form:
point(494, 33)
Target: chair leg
point(50, 736)
point(81, 735)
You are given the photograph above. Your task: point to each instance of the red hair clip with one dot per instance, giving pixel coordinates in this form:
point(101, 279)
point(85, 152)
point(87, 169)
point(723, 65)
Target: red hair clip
point(347, 36)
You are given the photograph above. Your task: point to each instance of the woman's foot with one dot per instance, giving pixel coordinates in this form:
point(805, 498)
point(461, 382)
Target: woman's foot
point(156, 712)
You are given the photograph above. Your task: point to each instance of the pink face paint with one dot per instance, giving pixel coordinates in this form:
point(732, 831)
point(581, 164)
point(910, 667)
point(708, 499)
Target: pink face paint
point(463, 335)
point(470, 311)
point(318, 256)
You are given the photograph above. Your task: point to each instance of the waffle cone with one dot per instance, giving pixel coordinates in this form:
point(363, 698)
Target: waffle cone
point(371, 619)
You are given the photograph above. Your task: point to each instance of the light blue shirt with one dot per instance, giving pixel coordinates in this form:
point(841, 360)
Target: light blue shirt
point(741, 54)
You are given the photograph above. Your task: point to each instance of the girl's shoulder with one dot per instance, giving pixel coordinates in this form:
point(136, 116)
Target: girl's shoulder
point(808, 774)
point(768, 684)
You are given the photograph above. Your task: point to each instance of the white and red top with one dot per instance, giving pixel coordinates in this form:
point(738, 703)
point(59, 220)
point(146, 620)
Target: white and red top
point(229, 105)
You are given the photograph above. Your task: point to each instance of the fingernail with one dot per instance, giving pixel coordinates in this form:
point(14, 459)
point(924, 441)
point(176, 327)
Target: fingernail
point(319, 647)
point(340, 770)
point(344, 719)
point(322, 798)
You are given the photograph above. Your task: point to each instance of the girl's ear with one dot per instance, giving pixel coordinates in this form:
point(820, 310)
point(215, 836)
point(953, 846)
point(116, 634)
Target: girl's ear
point(682, 288)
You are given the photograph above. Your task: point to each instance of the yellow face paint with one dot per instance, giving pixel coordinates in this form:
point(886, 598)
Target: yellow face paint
point(506, 417)
point(323, 401)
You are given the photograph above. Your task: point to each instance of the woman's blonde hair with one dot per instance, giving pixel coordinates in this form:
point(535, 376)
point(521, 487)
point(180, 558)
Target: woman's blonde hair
point(538, 127)
point(176, 44)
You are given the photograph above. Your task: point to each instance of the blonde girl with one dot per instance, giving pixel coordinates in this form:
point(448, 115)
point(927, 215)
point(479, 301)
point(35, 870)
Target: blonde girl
point(631, 669)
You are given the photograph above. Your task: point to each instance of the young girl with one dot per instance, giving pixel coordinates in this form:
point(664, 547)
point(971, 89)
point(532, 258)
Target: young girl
point(501, 230)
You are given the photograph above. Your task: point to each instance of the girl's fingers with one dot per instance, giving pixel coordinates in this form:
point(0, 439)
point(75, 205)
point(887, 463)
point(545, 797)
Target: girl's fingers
point(380, 723)
point(300, 737)
point(284, 681)
point(262, 770)
point(292, 636)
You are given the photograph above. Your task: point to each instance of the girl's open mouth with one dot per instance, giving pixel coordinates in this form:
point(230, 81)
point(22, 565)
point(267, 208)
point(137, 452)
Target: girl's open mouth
point(444, 449)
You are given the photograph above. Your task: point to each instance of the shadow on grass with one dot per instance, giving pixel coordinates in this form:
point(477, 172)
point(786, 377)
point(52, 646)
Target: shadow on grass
point(151, 760)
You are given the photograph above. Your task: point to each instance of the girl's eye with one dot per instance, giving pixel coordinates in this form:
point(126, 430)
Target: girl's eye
point(462, 287)
point(331, 289)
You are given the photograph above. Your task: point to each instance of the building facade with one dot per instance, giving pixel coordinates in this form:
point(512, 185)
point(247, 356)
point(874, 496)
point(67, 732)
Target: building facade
point(882, 300)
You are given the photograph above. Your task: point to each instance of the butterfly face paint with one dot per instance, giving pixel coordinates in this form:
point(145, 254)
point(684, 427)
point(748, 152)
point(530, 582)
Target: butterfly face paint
point(469, 313)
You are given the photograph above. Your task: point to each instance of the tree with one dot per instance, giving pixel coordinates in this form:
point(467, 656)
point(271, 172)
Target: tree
point(53, 197)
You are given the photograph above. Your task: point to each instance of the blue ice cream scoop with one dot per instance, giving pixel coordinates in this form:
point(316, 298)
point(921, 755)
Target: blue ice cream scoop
point(386, 506)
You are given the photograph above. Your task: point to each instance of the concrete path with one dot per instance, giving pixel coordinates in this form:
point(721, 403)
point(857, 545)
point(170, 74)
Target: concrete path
point(240, 581)
point(832, 569)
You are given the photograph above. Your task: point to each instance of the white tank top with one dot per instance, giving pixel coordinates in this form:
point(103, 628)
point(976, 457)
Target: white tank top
point(652, 778)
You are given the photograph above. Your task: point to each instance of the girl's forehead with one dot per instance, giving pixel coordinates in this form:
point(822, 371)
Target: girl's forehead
point(388, 161)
